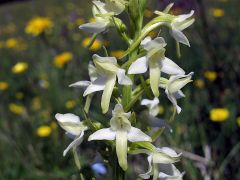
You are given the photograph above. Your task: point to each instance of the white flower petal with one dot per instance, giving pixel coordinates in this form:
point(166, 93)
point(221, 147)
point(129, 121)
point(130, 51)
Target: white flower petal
point(157, 43)
point(173, 101)
point(122, 78)
point(165, 156)
point(179, 36)
point(94, 27)
point(103, 134)
point(170, 67)
point(136, 135)
point(80, 84)
point(149, 172)
point(139, 66)
point(121, 148)
point(97, 85)
point(183, 17)
point(104, 59)
point(145, 41)
point(179, 94)
point(70, 123)
point(74, 144)
point(92, 70)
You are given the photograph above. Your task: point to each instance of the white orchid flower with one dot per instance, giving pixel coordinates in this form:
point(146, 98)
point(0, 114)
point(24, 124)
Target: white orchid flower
point(156, 61)
point(121, 131)
point(174, 86)
point(152, 105)
point(158, 157)
point(177, 24)
point(73, 127)
point(170, 172)
point(103, 13)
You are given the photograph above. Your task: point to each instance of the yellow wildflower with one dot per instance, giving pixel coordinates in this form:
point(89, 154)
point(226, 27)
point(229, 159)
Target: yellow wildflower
point(117, 53)
point(19, 68)
point(219, 114)
point(19, 95)
point(61, 59)
point(199, 83)
point(218, 12)
point(3, 86)
point(38, 25)
point(11, 43)
point(95, 46)
point(44, 131)
point(16, 109)
point(238, 121)
point(70, 104)
point(210, 75)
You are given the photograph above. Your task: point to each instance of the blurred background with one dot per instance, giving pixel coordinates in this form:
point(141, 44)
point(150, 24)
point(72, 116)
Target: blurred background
point(42, 51)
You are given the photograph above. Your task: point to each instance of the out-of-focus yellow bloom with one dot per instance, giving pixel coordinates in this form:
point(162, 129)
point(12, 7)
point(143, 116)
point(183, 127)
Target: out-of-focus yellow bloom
point(210, 75)
point(219, 114)
point(148, 13)
point(38, 25)
point(95, 46)
point(61, 59)
point(3, 86)
point(70, 104)
point(19, 68)
point(199, 83)
point(218, 12)
point(36, 103)
point(19, 95)
point(16, 109)
point(44, 131)
point(117, 53)
point(161, 109)
point(11, 43)
point(238, 121)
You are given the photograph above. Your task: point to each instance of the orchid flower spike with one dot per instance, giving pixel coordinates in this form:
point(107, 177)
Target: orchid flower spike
point(103, 13)
point(156, 61)
point(177, 24)
point(152, 105)
point(121, 131)
point(103, 78)
point(156, 157)
point(174, 86)
point(73, 127)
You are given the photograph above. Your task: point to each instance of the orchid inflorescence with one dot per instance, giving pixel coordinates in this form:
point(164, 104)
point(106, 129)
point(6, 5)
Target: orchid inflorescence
point(126, 83)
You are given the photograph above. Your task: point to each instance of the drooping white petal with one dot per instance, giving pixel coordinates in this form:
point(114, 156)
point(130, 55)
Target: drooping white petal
point(107, 93)
point(136, 135)
point(139, 66)
point(155, 73)
point(80, 84)
point(121, 148)
point(179, 36)
point(70, 123)
point(169, 152)
point(152, 105)
point(179, 94)
point(169, 172)
point(122, 78)
point(149, 172)
point(173, 101)
point(94, 27)
point(74, 144)
point(97, 85)
point(170, 67)
point(103, 134)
